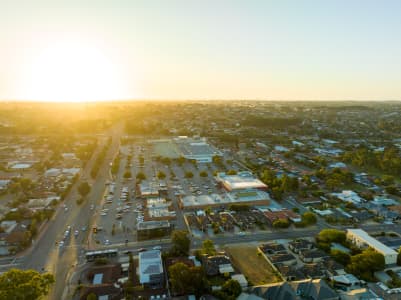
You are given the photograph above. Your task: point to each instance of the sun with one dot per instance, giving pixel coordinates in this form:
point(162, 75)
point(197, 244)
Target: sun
point(74, 71)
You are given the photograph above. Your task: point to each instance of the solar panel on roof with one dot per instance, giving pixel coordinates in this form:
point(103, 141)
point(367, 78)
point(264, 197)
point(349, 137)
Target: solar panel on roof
point(150, 254)
point(152, 269)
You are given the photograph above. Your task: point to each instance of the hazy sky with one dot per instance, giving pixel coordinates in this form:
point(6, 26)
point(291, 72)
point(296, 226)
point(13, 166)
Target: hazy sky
point(167, 49)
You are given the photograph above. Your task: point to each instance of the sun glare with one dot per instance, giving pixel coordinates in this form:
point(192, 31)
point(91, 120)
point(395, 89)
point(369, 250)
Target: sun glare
point(72, 71)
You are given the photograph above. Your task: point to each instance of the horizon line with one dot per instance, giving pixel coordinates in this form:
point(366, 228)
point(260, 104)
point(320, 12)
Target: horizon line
point(195, 99)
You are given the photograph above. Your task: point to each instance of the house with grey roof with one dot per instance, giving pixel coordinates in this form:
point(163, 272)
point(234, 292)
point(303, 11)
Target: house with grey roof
point(296, 290)
point(150, 271)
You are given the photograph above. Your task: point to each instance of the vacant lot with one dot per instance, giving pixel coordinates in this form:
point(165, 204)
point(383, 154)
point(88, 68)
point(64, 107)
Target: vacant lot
point(253, 266)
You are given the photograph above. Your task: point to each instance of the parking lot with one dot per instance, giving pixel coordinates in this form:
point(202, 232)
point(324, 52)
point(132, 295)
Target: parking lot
point(122, 209)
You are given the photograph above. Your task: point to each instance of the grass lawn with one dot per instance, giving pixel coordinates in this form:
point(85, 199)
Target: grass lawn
point(256, 269)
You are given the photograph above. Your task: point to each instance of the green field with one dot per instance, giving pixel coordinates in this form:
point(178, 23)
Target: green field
point(255, 267)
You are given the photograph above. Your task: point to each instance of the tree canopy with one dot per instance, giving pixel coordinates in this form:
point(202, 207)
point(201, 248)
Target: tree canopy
point(309, 218)
point(208, 247)
point(230, 290)
point(181, 242)
point(84, 189)
point(328, 236)
point(140, 176)
point(21, 285)
point(161, 175)
point(365, 264)
point(187, 280)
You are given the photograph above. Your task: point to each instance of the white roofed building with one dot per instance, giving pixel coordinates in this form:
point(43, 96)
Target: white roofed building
point(242, 181)
point(150, 269)
point(362, 239)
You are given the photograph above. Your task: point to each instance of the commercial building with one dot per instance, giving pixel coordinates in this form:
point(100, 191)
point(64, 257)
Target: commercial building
point(249, 197)
point(150, 269)
point(190, 148)
point(148, 189)
point(159, 209)
point(241, 181)
point(153, 229)
point(362, 239)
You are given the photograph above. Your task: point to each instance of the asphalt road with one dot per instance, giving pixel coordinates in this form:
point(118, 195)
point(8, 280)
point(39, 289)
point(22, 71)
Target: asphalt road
point(61, 260)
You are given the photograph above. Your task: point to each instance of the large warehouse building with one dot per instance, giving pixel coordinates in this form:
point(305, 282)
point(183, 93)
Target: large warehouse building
point(241, 181)
point(249, 197)
point(190, 148)
point(362, 239)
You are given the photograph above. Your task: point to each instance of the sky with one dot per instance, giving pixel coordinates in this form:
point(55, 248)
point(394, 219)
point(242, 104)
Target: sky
point(81, 50)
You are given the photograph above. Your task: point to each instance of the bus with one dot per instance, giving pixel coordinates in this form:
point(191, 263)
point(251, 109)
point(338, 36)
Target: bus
point(92, 255)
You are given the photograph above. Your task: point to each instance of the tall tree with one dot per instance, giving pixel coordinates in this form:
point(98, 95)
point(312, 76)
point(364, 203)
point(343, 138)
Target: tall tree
point(84, 189)
point(20, 285)
point(187, 280)
point(181, 242)
point(208, 247)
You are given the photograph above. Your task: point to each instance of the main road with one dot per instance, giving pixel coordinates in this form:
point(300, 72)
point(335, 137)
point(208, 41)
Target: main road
point(44, 254)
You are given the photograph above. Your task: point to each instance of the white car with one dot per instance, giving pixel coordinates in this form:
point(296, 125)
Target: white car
point(76, 232)
point(157, 247)
point(107, 242)
point(61, 244)
point(103, 214)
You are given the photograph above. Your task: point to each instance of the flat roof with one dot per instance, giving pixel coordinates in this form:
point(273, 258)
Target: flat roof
point(243, 180)
point(98, 278)
point(21, 166)
point(184, 146)
point(372, 242)
point(228, 198)
point(150, 263)
point(153, 225)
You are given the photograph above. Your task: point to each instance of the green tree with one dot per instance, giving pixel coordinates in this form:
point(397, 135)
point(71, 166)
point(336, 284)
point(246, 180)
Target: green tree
point(208, 247)
point(127, 174)
point(203, 174)
point(20, 285)
point(328, 236)
point(218, 160)
point(181, 242)
point(230, 290)
point(231, 172)
point(281, 223)
point(365, 264)
point(84, 189)
point(399, 257)
point(166, 161)
point(340, 257)
point(189, 174)
point(187, 280)
point(309, 218)
point(388, 179)
point(91, 296)
point(181, 160)
point(141, 176)
point(161, 175)
point(141, 159)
